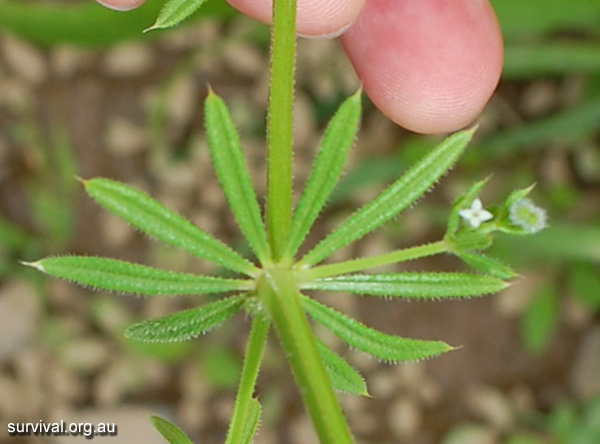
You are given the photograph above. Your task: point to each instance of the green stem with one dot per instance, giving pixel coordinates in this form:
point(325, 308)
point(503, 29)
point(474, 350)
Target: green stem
point(279, 125)
point(254, 352)
point(364, 263)
point(280, 295)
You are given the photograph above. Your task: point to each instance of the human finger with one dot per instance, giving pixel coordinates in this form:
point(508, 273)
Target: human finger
point(428, 65)
point(315, 18)
point(121, 5)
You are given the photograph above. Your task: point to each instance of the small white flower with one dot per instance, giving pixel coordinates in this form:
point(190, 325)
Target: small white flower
point(476, 215)
point(525, 214)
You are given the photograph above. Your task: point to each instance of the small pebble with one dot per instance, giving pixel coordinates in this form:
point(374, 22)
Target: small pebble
point(470, 434)
point(68, 61)
point(24, 60)
point(84, 355)
point(129, 60)
point(491, 404)
point(584, 379)
point(19, 317)
point(301, 431)
point(404, 418)
point(125, 138)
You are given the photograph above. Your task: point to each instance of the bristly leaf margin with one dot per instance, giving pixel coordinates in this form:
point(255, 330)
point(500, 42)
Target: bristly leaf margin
point(174, 12)
point(156, 220)
point(400, 195)
point(337, 141)
point(187, 324)
point(382, 346)
point(229, 162)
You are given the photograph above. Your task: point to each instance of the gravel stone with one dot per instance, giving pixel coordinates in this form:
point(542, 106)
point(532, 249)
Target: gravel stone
point(67, 61)
point(491, 405)
point(584, 376)
point(470, 434)
point(404, 418)
point(124, 138)
point(24, 60)
point(129, 60)
point(19, 314)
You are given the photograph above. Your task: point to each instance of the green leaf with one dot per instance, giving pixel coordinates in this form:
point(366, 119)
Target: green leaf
point(233, 173)
point(344, 377)
point(380, 345)
point(541, 319)
point(153, 218)
point(401, 194)
point(175, 11)
point(169, 431)
point(252, 421)
point(114, 275)
point(186, 324)
point(327, 169)
point(411, 285)
point(487, 265)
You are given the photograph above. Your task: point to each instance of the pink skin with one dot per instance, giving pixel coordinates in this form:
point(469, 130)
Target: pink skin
point(429, 65)
point(121, 5)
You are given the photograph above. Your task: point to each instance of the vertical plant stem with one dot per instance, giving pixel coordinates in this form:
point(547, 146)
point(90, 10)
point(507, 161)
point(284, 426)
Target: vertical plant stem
point(279, 125)
point(280, 294)
point(254, 352)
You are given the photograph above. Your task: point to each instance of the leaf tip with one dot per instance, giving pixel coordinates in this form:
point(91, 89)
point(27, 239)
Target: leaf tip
point(37, 265)
point(152, 28)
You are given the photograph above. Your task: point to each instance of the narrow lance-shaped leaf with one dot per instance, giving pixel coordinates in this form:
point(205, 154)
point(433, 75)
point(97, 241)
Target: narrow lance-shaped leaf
point(343, 376)
point(169, 431)
point(186, 324)
point(114, 275)
point(412, 285)
point(401, 194)
point(252, 421)
point(153, 218)
point(488, 265)
point(174, 12)
point(338, 140)
point(380, 345)
point(233, 173)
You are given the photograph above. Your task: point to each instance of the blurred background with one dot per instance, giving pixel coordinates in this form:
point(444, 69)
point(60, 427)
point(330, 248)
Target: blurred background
point(84, 93)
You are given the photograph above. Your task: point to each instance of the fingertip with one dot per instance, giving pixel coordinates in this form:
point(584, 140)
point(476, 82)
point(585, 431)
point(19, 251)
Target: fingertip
point(121, 5)
point(430, 66)
point(315, 18)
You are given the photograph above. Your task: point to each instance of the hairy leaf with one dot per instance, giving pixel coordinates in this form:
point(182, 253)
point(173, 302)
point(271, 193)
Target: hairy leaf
point(487, 265)
point(411, 285)
point(114, 275)
point(186, 324)
point(252, 421)
point(380, 345)
point(169, 431)
point(343, 376)
point(401, 194)
point(175, 11)
point(153, 218)
point(338, 140)
point(233, 173)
